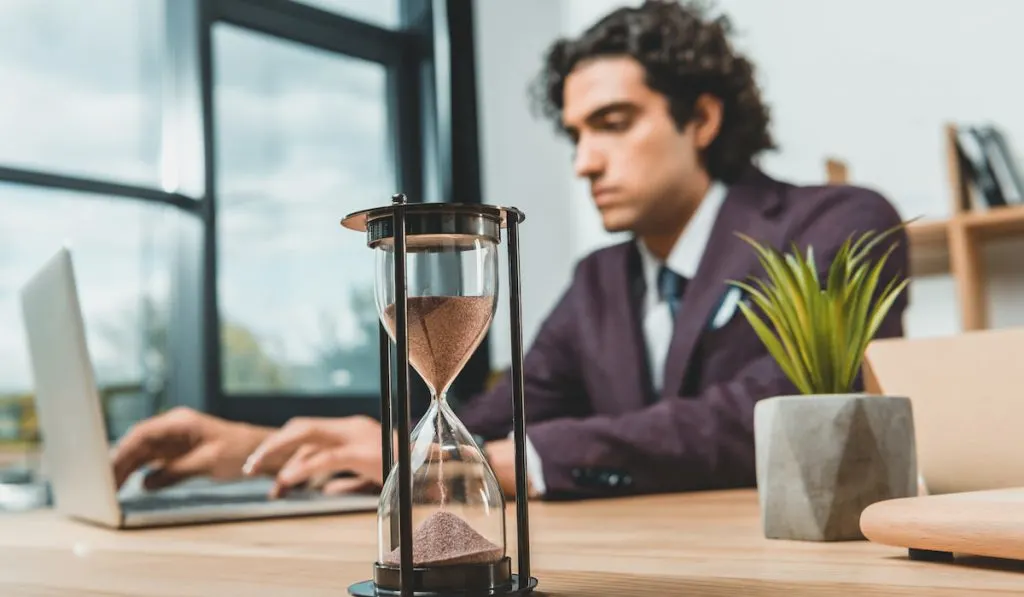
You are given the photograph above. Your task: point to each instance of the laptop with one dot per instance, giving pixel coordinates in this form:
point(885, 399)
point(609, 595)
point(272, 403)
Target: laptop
point(967, 395)
point(77, 455)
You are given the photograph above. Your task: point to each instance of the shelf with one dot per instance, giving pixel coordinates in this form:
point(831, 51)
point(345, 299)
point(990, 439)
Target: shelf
point(929, 239)
point(1000, 222)
point(929, 247)
point(956, 246)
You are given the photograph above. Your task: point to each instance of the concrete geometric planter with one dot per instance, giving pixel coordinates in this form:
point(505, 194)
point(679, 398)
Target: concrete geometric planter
point(822, 459)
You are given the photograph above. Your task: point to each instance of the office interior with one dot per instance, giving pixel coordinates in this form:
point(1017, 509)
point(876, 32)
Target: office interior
point(197, 156)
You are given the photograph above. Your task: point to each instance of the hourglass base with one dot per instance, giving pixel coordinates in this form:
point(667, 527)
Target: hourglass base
point(368, 589)
point(467, 580)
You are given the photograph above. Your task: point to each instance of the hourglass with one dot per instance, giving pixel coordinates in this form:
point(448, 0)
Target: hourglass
point(441, 517)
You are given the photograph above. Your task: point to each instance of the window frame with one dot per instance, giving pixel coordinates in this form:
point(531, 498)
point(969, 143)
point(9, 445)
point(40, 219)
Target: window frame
point(430, 65)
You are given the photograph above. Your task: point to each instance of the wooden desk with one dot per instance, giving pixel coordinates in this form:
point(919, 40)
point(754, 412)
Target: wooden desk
point(698, 544)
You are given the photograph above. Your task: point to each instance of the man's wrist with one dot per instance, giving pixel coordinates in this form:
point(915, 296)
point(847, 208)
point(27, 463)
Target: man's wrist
point(501, 456)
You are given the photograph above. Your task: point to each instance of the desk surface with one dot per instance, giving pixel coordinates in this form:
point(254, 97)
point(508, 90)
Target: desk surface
point(696, 544)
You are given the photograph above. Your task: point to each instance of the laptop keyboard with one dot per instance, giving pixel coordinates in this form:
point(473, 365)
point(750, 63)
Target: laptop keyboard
point(150, 503)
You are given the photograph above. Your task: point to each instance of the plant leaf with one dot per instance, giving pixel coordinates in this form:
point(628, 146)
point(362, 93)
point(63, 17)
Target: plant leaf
point(818, 334)
point(775, 349)
point(864, 313)
point(795, 364)
point(787, 321)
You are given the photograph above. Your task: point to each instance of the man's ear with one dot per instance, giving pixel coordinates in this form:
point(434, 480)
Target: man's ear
point(707, 119)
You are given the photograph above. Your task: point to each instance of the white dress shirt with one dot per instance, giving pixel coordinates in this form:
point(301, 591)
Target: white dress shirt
point(683, 260)
point(657, 317)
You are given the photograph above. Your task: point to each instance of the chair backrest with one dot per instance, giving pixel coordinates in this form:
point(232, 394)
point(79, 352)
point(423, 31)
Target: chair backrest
point(836, 171)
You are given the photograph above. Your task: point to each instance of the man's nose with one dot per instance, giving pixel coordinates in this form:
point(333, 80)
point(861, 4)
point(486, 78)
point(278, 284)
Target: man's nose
point(588, 161)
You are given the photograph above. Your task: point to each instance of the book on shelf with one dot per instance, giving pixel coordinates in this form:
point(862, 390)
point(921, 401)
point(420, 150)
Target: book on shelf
point(1004, 165)
point(990, 165)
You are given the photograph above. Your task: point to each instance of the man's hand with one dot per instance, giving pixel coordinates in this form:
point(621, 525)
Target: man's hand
point(182, 443)
point(316, 449)
point(501, 455)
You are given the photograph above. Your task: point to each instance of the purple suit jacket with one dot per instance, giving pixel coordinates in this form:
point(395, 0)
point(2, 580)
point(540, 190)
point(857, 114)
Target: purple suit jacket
point(592, 415)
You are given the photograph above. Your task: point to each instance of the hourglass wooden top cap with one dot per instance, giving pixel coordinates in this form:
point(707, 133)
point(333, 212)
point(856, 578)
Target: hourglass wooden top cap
point(432, 224)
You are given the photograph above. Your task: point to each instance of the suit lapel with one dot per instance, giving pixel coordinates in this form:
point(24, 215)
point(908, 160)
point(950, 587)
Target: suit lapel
point(626, 347)
point(638, 339)
point(747, 209)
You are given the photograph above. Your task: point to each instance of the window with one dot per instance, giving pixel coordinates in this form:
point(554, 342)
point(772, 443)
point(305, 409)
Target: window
point(122, 251)
point(81, 87)
point(81, 119)
point(378, 12)
point(302, 138)
point(237, 290)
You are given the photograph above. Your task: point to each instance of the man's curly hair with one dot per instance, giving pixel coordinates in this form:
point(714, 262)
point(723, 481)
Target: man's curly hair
point(685, 54)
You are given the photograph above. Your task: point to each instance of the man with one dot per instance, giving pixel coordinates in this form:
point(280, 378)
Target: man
point(644, 377)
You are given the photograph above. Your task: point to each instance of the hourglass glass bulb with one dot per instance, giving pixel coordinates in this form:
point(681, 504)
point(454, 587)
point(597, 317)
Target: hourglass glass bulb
point(443, 332)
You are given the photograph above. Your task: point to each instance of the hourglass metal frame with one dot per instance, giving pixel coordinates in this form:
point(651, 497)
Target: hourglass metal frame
point(441, 218)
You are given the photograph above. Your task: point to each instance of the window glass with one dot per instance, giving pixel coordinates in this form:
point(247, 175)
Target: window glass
point(81, 87)
point(302, 139)
point(121, 251)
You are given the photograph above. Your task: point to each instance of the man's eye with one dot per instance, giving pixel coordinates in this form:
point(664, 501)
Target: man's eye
point(616, 124)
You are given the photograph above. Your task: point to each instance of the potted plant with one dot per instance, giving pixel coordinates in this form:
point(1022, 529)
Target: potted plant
point(829, 452)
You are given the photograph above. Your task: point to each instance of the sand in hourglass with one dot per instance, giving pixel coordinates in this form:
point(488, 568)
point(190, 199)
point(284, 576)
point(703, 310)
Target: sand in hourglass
point(444, 539)
point(443, 331)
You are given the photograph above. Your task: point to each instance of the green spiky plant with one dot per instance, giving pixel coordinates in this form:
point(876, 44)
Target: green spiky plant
point(818, 334)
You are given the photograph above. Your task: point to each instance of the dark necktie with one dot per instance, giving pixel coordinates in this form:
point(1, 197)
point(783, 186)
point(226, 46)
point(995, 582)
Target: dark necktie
point(670, 288)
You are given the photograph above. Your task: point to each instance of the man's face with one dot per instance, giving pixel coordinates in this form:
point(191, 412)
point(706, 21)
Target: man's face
point(645, 174)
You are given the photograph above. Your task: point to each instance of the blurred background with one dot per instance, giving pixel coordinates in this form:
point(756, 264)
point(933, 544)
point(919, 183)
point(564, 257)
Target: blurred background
point(197, 155)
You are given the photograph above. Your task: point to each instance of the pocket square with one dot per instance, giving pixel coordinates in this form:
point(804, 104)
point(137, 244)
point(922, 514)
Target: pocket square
point(727, 307)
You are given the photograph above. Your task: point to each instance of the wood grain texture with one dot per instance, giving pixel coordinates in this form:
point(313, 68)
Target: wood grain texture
point(996, 223)
point(968, 270)
point(930, 240)
point(689, 544)
point(986, 523)
point(959, 186)
point(929, 247)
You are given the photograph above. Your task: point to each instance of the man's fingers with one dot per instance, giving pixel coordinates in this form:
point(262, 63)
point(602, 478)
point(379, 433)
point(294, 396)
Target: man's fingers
point(347, 485)
point(302, 453)
point(128, 458)
point(280, 446)
point(162, 478)
point(174, 471)
point(320, 465)
point(144, 443)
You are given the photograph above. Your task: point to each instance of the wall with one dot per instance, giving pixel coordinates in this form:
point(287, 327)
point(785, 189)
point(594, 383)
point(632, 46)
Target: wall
point(523, 163)
point(871, 82)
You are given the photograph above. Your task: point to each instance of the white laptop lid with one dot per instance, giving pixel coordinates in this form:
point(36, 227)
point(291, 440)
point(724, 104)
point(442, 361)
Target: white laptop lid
point(966, 394)
point(75, 448)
